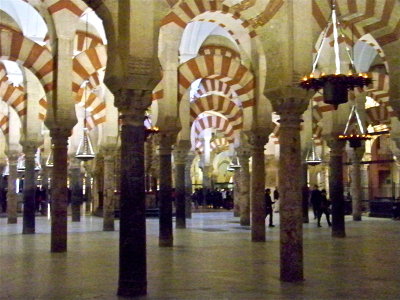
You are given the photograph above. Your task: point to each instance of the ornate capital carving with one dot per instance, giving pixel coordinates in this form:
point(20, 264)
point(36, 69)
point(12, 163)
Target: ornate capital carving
point(29, 148)
point(336, 146)
point(181, 152)
point(132, 105)
point(166, 139)
point(59, 136)
point(257, 140)
point(289, 102)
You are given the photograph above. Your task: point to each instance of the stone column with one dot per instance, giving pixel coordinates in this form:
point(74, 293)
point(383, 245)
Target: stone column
point(28, 226)
point(75, 186)
point(244, 184)
point(132, 244)
point(165, 199)
point(356, 191)
point(257, 141)
point(206, 177)
point(291, 200)
point(59, 191)
point(88, 187)
point(290, 103)
point(336, 187)
point(180, 156)
point(188, 184)
point(12, 196)
point(109, 199)
point(236, 192)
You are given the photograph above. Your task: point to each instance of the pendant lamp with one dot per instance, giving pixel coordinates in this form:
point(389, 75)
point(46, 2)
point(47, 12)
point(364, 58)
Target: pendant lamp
point(355, 131)
point(335, 86)
point(50, 159)
point(21, 164)
point(38, 165)
point(312, 157)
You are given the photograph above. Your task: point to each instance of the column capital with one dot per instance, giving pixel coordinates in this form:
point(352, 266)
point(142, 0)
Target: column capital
point(132, 104)
point(336, 146)
point(243, 152)
point(109, 151)
point(29, 148)
point(257, 139)
point(60, 135)
point(166, 139)
point(181, 152)
point(12, 155)
point(289, 102)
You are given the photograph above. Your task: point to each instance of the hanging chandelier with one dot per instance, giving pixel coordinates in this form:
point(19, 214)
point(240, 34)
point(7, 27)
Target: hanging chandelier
point(50, 158)
point(335, 86)
point(38, 165)
point(354, 131)
point(234, 165)
point(85, 150)
point(21, 164)
point(312, 157)
point(6, 170)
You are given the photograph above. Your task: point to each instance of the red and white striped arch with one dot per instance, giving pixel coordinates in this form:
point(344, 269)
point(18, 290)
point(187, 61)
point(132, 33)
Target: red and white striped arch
point(220, 104)
point(209, 86)
point(219, 144)
point(15, 47)
point(84, 40)
point(95, 106)
point(223, 68)
point(215, 122)
point(4, 124)
point(219, 50)
point(379, 18)
point(77, 7)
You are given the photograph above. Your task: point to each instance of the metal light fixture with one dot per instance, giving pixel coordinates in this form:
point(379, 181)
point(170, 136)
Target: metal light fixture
point(335, 86)
point(21, 164)
point(50, 159)
point(355, 131)
point(234, 165)
point(6, 170)
point(38, 165)
point(85, 150)
point(149, 128)
point(312, 157)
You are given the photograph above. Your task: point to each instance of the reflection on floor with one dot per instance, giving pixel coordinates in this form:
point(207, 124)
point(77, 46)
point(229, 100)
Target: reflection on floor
point(212, 259)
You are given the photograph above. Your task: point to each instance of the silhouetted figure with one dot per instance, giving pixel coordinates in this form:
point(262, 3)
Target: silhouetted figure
point(315, 200)
point(268, 207)
point(324, 208)
point(305, 192)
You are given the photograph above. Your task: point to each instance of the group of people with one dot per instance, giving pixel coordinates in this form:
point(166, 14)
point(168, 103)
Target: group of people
point(216, 198)
point(41, 200)
point(317, 198)
point(320, 205)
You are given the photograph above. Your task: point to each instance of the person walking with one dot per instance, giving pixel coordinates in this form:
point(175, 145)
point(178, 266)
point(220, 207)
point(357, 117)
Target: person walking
point(324, 208)
point(268, 207)
point(315, 199)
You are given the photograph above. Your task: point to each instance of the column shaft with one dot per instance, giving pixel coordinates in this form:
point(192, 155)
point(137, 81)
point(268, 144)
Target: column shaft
point(290, 209)
point(12, 196)
point(356, 186)
point(59, 193)
point(132, 251)
point(180, 195)
point(76, 192)
point(244, 194)
point(236, 193)
point(257, 193)
point(336, 188)
point(109, 199)
point(28, 226)
point(165, 194)
point(188, 186)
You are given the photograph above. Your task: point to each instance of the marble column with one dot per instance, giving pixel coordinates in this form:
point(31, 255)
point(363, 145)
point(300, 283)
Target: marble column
point(188, 184)
point(132, 105)
point(336, 187)
point(28, 226)
point(109, 199)
point(236, 193)
point(356, 191)
point(12, 196)
point(88, 188)
point(291, 200)
point(244, 184)
point(76, 189)
point(165, 194)
point(257, 142)
point(180, 156)
point(206, 178)
point(290, 103)
point(59, 191)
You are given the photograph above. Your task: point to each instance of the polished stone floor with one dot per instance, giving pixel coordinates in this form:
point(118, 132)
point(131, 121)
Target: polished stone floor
point(212, 259)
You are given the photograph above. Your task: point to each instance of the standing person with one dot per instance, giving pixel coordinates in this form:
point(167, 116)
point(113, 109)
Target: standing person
point(315, 200)
point(324, 209)
point(276, 199)
point(268, 207)
point(305, 192)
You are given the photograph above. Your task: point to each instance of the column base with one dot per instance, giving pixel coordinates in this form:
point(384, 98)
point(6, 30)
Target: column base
point(132, 288)
point(12, 220)
point(180, 224)
point(108, 227)
point(245, 222)
point(28, 231)
point(76, 219)
point(338, 234)
point(58, 249)
point(258, 239)
point(291, 278)
point(356, 218)
point(165, 243)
